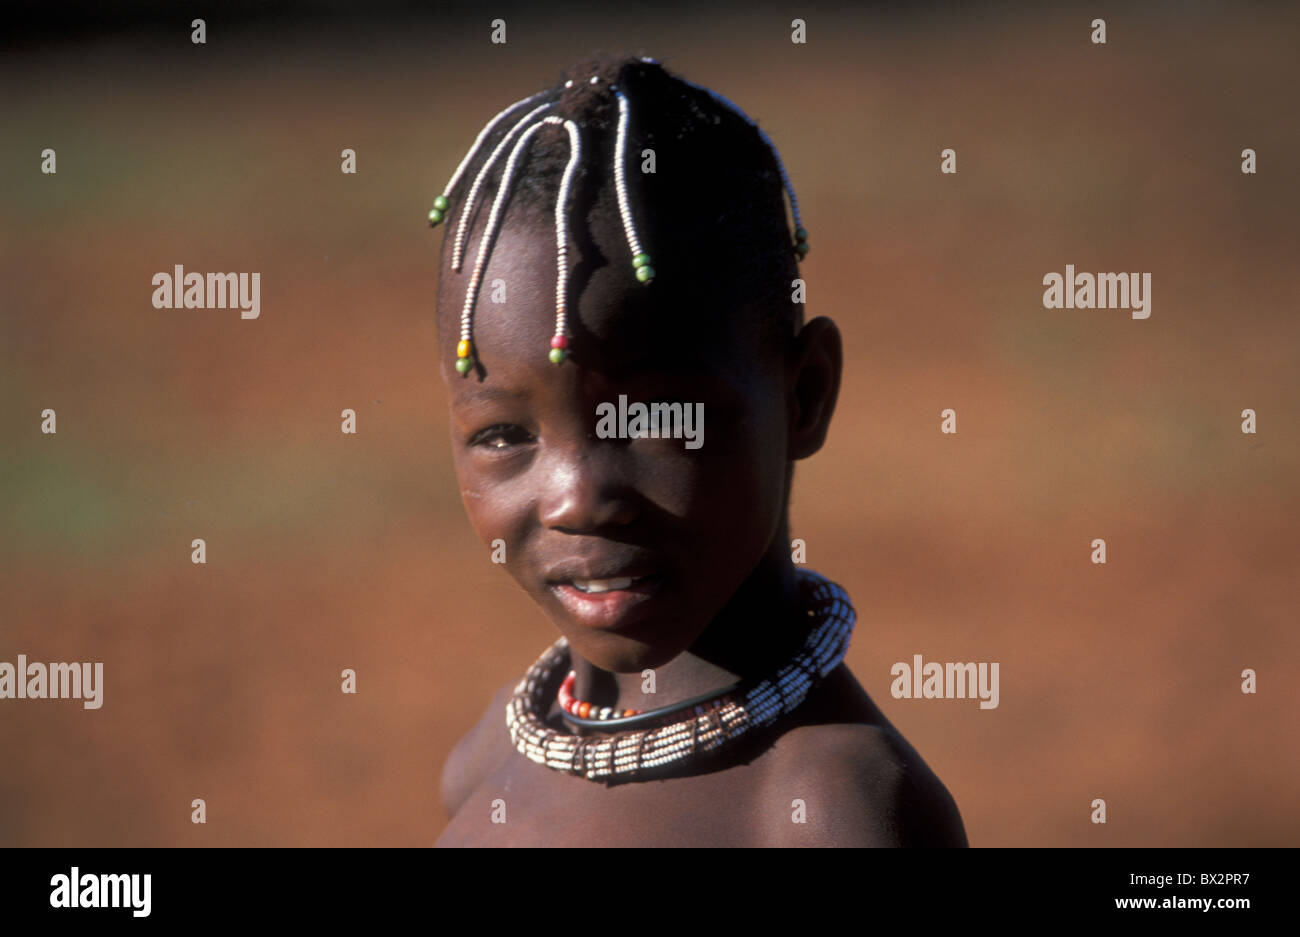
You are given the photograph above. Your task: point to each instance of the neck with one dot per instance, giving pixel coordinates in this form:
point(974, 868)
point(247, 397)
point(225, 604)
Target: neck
point(757, 631)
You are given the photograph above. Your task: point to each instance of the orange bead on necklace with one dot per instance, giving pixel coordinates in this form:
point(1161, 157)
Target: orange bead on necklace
point(576, 707)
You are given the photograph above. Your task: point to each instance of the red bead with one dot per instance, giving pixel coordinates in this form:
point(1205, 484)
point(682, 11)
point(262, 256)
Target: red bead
point(560, 341)
point(583, 710)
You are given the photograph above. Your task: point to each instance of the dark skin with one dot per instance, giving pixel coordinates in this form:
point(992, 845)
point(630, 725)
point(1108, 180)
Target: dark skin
point(703, 534)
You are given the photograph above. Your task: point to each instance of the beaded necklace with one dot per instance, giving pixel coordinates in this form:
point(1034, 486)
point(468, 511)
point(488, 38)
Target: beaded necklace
point(626, 754)
point(606, 719)
point(578, 709)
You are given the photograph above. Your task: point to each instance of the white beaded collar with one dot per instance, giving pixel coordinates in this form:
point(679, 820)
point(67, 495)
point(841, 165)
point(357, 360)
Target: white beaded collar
point(625, 754)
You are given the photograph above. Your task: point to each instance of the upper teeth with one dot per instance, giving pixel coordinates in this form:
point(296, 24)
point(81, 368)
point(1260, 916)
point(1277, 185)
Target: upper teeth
point(602, 585)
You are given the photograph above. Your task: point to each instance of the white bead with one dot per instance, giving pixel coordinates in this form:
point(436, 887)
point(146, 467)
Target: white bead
point(458, 245)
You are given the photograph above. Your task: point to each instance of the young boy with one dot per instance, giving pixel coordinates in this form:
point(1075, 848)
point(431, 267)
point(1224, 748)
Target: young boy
point(615, 243)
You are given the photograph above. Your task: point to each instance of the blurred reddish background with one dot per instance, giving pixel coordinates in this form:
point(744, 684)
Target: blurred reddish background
point(328, 551)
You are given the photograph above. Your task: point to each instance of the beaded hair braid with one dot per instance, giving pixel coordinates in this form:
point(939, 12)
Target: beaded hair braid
point(516, 140)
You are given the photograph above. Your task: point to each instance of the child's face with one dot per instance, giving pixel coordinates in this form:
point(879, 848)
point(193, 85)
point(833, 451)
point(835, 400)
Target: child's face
point(686, 525)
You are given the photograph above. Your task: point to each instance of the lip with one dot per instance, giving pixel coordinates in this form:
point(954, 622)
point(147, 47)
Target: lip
point(612, 610)
point(609, 567)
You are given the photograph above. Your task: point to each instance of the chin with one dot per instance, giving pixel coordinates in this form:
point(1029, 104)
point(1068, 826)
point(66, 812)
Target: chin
point(618, 653)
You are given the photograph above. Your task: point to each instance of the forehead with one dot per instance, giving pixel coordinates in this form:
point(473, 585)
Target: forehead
point(615, 324)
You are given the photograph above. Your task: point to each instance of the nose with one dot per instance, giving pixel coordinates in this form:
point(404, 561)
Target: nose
point(585, 490)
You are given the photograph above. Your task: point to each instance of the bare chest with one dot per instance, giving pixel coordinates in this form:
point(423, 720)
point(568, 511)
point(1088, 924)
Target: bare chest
point(525, 804)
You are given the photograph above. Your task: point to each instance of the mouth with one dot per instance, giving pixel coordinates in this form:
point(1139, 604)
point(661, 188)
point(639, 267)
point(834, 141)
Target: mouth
point(600, 586)
point(608, 602)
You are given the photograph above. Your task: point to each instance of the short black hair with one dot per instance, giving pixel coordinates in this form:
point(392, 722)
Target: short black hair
point(712, 214)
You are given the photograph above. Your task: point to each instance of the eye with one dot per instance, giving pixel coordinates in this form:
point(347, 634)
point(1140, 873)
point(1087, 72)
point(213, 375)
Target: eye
point(500, 436)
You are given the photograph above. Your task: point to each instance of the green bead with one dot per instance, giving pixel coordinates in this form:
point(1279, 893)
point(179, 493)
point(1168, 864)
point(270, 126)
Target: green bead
point(801, 249)
point(556, 355)
point(463, 365)
point(435, 215)
point(801, 234)
point(440, 203)
point(640, 260)
point(645, 274)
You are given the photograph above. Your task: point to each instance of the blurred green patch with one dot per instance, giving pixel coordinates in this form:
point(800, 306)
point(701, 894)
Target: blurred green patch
point(75, 500)
point(55, 501)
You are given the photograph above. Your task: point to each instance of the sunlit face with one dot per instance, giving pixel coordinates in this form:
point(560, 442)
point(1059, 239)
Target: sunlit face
point(631, 546)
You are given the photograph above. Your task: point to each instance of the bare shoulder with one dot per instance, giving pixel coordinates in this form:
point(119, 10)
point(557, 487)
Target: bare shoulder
point(852, 784)
point(478, 752)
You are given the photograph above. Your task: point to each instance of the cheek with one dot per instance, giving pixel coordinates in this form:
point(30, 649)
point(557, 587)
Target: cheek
point(495, 510)
point(732, 487)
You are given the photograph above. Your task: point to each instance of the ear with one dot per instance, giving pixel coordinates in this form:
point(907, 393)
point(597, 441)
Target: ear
point(813, 382)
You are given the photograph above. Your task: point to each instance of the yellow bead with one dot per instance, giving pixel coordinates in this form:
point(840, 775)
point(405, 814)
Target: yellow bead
point(462, 348)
